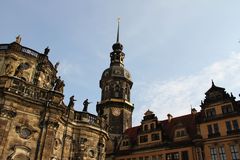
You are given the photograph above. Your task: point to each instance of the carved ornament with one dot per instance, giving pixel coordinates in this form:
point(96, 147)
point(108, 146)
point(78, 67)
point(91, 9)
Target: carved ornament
point(6, 113)
point(25, 131)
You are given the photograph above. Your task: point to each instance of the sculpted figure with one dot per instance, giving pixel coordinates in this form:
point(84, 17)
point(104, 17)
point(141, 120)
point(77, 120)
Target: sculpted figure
point(46, 51)
point(85, 104)
point(59, 85)
point(18, 39)
point(56, 65)
point(9, 69)
point(71, 102)
point(20, 69)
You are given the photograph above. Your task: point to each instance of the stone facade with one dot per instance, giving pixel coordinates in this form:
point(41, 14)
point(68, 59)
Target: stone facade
point(34, 122)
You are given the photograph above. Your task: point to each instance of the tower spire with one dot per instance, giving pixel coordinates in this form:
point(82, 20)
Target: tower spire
point(118, 30)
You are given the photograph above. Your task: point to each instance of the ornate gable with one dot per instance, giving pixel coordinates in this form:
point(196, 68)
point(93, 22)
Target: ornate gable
point(216, 94)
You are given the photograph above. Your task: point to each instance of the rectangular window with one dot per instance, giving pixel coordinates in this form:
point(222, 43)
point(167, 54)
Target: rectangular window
point(216, 129)
point(125, 143)
point(210, 131)
point(227, 109)
point(140, 158)
point(172, 156)
point(175, 156)
point(146, 158)
point(168, 157)
point(146, 127)
point(235, 124)
point(155, 136)
point(213, 153)
point(199, 154)
point(222, 153)
point(210, 113)
point(183, 133)
point(228, 125)
point(143, 138)
point(178, 134)
point(152, 126)
point(185, 155)
point(234, 152)
point(154, 158)
point(160, 157)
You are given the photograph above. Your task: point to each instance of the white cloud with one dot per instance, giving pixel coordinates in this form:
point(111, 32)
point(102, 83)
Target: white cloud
point(176, 96)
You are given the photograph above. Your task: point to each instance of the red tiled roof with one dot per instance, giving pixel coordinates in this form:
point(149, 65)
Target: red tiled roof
point(168, 128)
point(186, 121)
point(132, 133)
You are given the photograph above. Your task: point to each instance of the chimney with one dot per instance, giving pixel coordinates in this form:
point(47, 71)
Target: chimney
point(193, 111)
point(169, 117)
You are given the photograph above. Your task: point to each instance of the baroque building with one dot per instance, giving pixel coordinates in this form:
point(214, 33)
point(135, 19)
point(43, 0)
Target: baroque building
point(36, 123)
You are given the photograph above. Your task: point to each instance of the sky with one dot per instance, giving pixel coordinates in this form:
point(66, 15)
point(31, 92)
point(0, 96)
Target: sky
point(173, 48)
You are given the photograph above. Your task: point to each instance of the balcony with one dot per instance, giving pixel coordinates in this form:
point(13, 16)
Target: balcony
point(26, 90)
point(233, 132)
point(90, 119)
point(214, 135)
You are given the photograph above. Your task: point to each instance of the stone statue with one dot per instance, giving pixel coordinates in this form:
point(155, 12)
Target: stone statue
point(71, 102)
point(20, 69)
point(9, 69)
point(59, 85)
point(18, 39)
point(46, 51)
point(56, 65)
point(85, 104)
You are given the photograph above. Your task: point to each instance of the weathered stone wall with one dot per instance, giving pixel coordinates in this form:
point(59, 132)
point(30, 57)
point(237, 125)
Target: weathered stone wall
point(34, 121)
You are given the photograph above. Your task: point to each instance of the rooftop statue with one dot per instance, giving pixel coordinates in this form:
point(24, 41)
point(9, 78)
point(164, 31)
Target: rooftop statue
point(56, 65)
point(59, 85)
point(71, 102)
point(18, 39)
point(46, 51)
point(85, 104)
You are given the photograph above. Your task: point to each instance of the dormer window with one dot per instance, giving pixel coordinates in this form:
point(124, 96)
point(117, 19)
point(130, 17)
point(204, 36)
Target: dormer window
point(145, 128)
point(180, 133)
point(210, 113)
point(125, 143)
point(152, 126)
point(155, 136)
point(143, 139)
point(227, 109)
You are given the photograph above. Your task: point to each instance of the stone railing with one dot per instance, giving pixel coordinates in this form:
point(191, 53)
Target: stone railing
point(22, 48)
point(25, 89)
point(29, 51)
point(3, 46)
point(85, 117)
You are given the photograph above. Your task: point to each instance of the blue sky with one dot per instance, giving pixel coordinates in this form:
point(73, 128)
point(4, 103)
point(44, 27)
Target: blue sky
point(173, 47)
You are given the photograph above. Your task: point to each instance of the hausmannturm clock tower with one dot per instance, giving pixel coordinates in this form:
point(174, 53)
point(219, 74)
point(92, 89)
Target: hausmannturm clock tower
point(116, 84)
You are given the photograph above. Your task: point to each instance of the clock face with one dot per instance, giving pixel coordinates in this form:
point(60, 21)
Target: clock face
point(116, 111)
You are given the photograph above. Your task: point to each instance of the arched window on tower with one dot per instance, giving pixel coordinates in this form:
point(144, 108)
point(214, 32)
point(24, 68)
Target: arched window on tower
point(116, 91)
point(126, 94)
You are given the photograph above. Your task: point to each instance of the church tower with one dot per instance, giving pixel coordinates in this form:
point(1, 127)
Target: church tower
point(116, 84)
